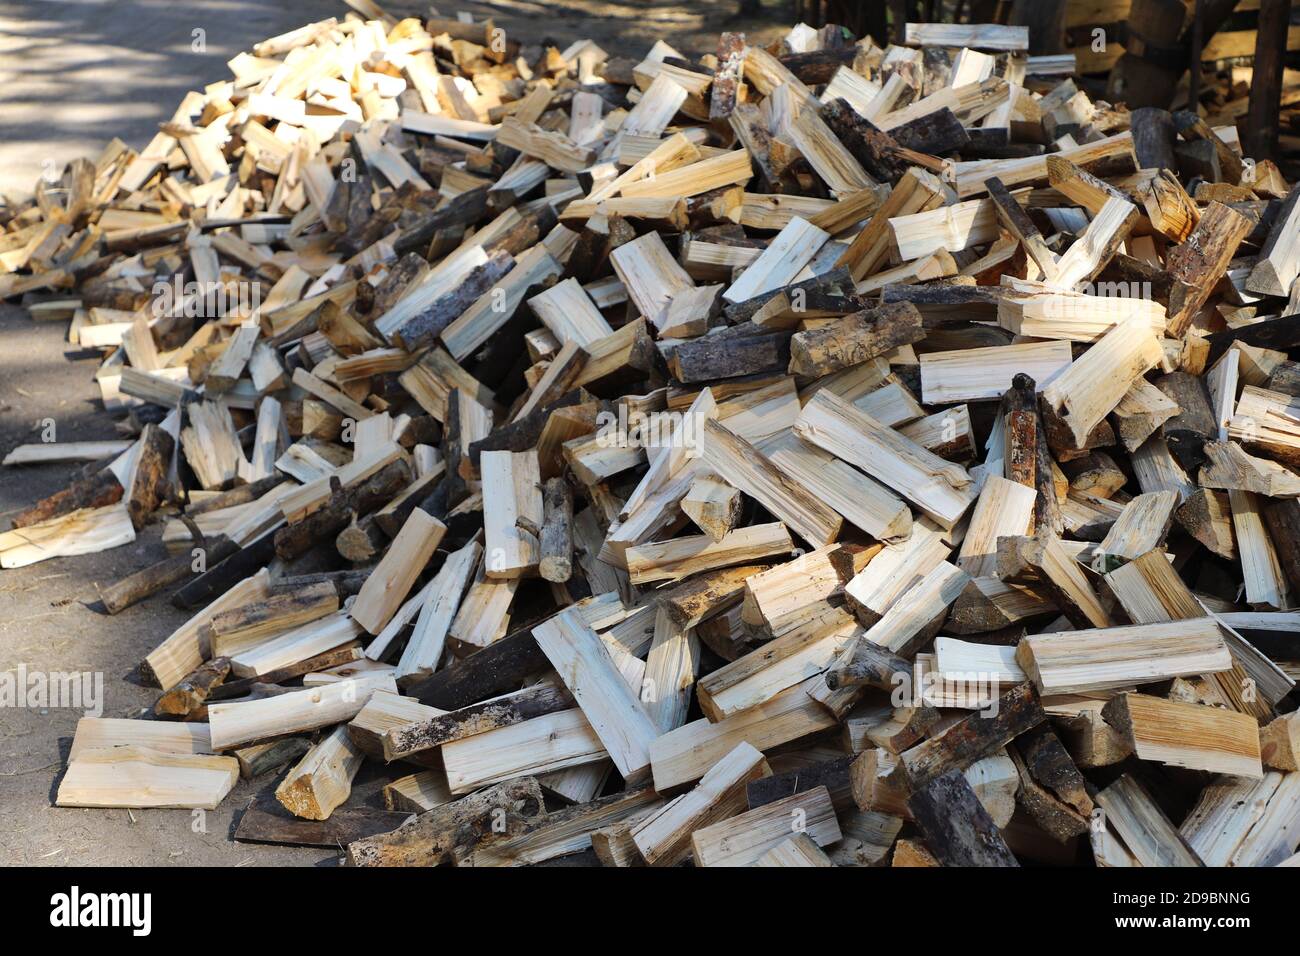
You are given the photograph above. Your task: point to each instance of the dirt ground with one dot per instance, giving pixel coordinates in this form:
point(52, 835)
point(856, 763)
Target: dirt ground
point(73, 74)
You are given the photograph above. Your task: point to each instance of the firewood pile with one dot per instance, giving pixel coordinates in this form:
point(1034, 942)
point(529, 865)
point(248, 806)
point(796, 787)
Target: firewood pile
point(804, 456)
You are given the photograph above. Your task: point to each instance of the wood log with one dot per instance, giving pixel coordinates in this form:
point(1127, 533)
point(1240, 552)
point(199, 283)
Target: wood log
point(97, 491)
point(1124, 656)
point(973, 737)
point(343, 505)
point(940, 489)
point(585, 666)
point(265, 821)
point(513, 708)
point(1147, 832)
point(392, 579)
point(956, 826)
point(857, 339)
point(432, 837)
point(1187, 735)
point(322, 780)
point(743, 839)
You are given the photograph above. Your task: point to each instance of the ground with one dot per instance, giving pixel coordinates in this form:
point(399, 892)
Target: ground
point(73, 75)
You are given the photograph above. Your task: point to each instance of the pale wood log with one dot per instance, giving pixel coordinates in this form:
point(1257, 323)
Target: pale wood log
point(322, 780)
point(1116, 657)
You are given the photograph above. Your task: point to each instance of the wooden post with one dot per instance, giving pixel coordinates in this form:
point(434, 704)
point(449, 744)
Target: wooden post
point(1266, 80)
point(1046, 22)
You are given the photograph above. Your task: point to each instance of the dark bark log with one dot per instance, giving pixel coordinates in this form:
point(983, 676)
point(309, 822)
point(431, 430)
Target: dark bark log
point(97, 491)
point(253, 761)
point(973, 737)
point(936, 133)
point(1193, 128)
point(1029, 461)
point(818, 66)
point(1281, 334)
point(1153, 138)
point(957, 828)
point(1046, 22)
point(235, 496)
point(835, 282)
point(522, 435)
point(706, 595)
point(1282, 516)
point(265, 821)
point(870, 666)
point(148, 581)
point(400, 275)
point(876, 150)
point(506, 809)
point(1207, 516)
point(740, 350)
point(1285, 378)
point(152, 464)
point(946, 304)
point(469, 207)
point(327, 520)
point(422, 329)
point(1052, 791)
point(192, 692)
point(831, 774)
point(538, 701)
point(556, 562)
point(499, 668)
point(346, 583)
point(1195, 424)
point(219, 579)
point(855, 339)
point(336, 657)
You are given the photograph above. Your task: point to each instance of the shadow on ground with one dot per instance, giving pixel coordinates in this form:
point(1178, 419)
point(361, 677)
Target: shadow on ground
point(74, 74)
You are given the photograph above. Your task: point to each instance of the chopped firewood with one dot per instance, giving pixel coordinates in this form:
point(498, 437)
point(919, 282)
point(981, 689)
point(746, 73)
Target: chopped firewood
point(561, 832)
point(942, 490)
point(972, 738)
point(912, 853)
point(714, 506)
point(1123, 656)
point(390, 582)
point(1045, 557)
point(585, 665)
point(137, 776)
point(241, 722)
point(743, 466)
point(1187, 735)
point(322, 780)
point(954, 823)
point(745, 838)
point(799, 850)
point(815, 388)
point(433, 836)
point(1279, 743)
point(1142, 825)
point(1091, 387)
point(663, 839)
